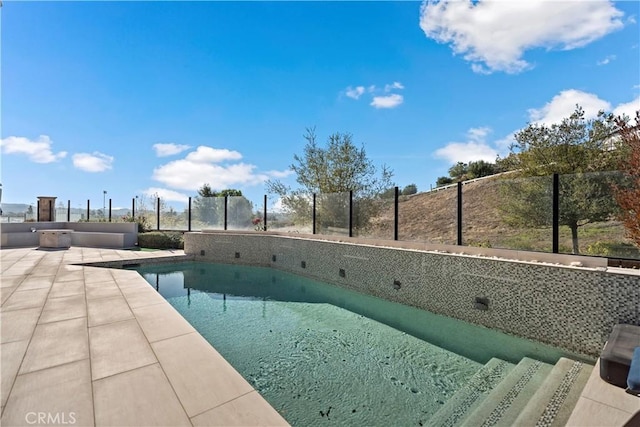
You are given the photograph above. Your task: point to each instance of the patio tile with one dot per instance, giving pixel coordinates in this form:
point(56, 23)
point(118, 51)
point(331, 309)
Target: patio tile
point(36, 282)
point(601, 391)
point(18, 269)
point(589, 413)
point(63, 308)
point(63, 392)
point(127, 278)
point(132, 284)
point(55, 344)
point(118, 347)
point(142, 297)
point(201, 377)
point(102, 290)
point(108, 310)
point(161, 321)
point(97, 275)
point(66, 275)
point(46, 267)
point(18, 325)
point(248, 410)
point(156, 403)
point(5, 293)
point(10, 281)
point(67, 289)
point(11, 358)
point(25, 299)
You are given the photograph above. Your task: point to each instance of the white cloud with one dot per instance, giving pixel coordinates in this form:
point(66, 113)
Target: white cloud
point(495, 34)
point(629, 109)
point(474, 149)
point(380, 101)
point(169, 149)
point(503, 144)
point(478, 134)
point(466, 152)
point(204, 154)
point(94, 162)
point(279, 174)
point(203, 167)
point(355, 92)
point(166, 194)
point(606, 60)
point(394, 85)
point(563, 104)
point(38, 151)
point(277, 206)
point(388, 101)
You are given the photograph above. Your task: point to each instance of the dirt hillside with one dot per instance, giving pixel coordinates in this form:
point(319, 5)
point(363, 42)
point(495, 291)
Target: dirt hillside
point(432, 217)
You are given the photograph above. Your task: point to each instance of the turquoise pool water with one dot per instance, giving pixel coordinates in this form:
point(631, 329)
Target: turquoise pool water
point(324, 355)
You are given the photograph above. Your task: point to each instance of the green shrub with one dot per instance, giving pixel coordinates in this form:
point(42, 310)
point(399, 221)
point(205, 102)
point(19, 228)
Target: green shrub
point(161, 240)
point(143, 222)
point(480, 243)
point(612, 249)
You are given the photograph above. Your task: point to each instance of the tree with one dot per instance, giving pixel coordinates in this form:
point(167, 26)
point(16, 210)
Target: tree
point(628, 192)
point(410, 189)
point(464, 171)
point(339, 167)
point(209, 207)
point(239, 211)
point(443, 180)
point(480, 169)
point(574, 148)
point(205, 205)
point(458, 171)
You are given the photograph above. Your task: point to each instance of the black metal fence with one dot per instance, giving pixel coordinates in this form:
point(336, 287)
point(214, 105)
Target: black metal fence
point(558, 214)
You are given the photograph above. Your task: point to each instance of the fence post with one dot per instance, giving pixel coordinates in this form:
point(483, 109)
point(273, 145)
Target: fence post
point(459, 240)
point(109, 210)
point(38, 211)
point(88, 209)
point(350, 213)
point(313, 215)
point(51, 218)
point(226, 214)
point(189, 216)
point(556, 215)
point(265, 213)
point(68, 210)
point(395, 214)
point(158, 214)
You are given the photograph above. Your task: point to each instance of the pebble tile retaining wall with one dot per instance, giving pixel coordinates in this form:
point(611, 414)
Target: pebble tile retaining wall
point(573, 308)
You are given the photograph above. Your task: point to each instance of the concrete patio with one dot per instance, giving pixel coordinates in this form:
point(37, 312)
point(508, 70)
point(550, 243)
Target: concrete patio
point(94, 346)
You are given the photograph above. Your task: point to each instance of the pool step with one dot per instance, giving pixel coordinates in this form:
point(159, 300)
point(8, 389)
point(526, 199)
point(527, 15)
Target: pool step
point(508, 398)
point(470, 396)
point(554, 401)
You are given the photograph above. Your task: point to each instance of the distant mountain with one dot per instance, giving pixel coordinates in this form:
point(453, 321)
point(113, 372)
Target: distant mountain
point(9, 209)
point(14, 208)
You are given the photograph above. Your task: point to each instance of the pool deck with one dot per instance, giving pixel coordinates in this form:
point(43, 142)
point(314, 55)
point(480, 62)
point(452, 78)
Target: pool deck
point(92, 346)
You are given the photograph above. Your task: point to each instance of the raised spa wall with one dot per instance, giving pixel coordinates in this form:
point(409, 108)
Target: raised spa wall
point(570, 307)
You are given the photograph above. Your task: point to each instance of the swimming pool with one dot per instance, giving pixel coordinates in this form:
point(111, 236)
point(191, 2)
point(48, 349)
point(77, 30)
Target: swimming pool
point(321, 354)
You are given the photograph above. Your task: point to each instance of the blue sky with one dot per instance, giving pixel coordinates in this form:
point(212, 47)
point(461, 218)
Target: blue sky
point(143, 98)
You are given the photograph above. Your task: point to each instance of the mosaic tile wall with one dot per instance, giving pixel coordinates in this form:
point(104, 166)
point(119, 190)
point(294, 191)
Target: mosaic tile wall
point(568, 307)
